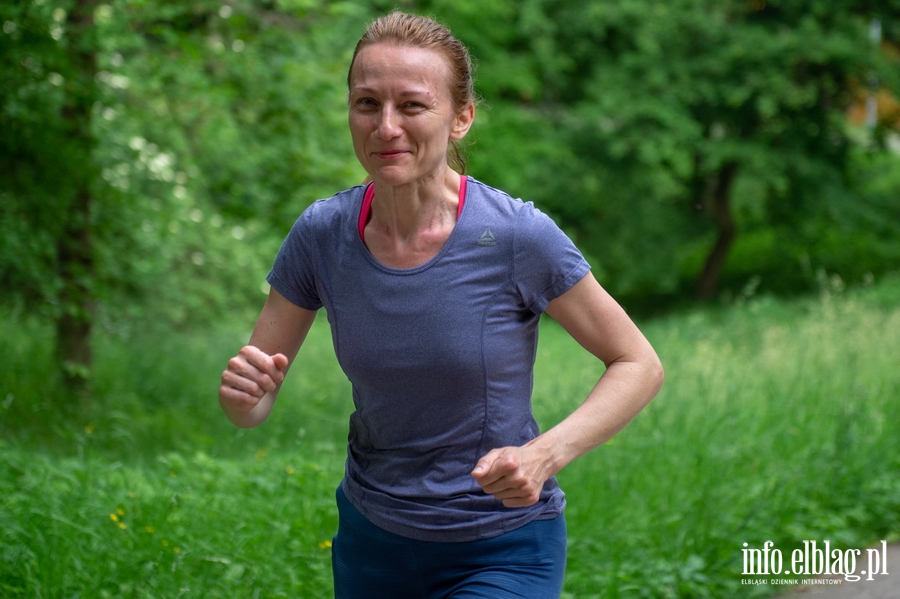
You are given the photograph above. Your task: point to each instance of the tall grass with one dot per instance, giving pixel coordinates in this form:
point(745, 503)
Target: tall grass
point(778, 421)
point(151, 493)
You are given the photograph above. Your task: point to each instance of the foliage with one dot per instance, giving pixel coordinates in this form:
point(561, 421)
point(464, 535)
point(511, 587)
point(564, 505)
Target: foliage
point(625, 119)
point(213, 124)
point(646, 129)
point(778, 421)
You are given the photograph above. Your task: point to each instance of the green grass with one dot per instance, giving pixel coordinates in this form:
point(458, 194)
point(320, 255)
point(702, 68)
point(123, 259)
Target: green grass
point(778, 421)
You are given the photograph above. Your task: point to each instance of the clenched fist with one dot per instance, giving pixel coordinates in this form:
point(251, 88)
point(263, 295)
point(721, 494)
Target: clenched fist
point(250, 377)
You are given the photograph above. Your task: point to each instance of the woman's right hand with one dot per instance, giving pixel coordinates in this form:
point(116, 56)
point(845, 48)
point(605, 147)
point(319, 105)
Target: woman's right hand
point(249, 377)
point(250, 383)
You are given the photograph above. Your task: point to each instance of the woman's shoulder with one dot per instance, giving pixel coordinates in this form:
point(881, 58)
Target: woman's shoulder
point(474, 188)
point(327, 212)
point(502, 203)
point(342, 201)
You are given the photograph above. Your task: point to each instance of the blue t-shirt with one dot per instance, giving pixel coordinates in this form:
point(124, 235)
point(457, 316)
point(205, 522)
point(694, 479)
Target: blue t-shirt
point(440, 356)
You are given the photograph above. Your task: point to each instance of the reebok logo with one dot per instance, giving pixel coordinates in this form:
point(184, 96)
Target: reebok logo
point(487, 238)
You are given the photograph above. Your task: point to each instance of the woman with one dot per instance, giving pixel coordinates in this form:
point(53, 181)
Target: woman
point(434, 284)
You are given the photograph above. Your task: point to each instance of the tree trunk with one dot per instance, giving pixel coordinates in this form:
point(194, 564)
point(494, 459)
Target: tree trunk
point(74, 323)
point(708, 283)
point(75, 250)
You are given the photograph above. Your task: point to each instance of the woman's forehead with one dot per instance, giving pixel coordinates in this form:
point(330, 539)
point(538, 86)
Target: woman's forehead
point(390, 61)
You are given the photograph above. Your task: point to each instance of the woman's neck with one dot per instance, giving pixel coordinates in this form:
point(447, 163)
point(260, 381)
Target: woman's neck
point(408, 226)
point(403, 212)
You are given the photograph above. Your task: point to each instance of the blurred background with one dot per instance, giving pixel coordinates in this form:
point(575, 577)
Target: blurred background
point(154, 153)
point(728, 167)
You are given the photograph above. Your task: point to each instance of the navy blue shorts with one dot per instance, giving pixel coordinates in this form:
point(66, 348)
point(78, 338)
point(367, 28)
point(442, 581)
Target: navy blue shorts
point(371, 563)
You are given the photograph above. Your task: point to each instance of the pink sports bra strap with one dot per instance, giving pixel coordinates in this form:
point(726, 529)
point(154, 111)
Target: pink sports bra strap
point(365, 210)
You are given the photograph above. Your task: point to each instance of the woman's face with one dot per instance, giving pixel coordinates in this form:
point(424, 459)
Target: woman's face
point(401, 113)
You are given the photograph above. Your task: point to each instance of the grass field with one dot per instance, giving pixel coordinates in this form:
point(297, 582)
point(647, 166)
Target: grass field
point(778, 421)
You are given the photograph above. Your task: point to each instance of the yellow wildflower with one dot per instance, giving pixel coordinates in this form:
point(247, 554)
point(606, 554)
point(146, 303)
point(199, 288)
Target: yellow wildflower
point(114, 517)
point(122, 525)
point(150, 529)
point(120, 511)
point(289, 469)
point(176, 549)
point(324, 544)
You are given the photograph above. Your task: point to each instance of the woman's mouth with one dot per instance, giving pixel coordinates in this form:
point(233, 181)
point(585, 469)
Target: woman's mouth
point(389, 154)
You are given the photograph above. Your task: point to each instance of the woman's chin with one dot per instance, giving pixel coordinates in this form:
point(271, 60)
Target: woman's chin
point(393, 176)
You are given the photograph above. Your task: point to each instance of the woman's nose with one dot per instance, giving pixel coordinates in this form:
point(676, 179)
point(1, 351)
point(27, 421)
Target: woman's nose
point(388, 124)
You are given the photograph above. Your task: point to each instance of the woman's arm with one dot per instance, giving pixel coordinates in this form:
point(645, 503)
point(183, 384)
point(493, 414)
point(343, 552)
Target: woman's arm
point(251, 382)
point(632, 378)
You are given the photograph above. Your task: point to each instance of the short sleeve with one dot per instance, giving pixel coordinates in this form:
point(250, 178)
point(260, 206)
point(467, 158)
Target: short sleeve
point(546, 262)
point(293, 274)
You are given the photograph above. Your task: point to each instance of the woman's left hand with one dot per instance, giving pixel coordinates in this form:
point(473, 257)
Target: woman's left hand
point(515, 475)
point(633, 375)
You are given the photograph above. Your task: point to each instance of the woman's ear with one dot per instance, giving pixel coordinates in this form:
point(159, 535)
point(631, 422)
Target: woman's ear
point(463, 122)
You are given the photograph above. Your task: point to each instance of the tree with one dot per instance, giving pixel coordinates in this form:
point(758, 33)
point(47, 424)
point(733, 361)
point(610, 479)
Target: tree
point(154, 153)
point(146, 143)
point(56, 137)
point(660, 132)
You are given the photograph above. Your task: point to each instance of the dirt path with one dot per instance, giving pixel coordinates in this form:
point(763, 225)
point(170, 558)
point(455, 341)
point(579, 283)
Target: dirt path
point(884, 586)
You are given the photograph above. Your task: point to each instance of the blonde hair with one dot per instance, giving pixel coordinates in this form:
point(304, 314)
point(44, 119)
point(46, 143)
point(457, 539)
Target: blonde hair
point(422, 32)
